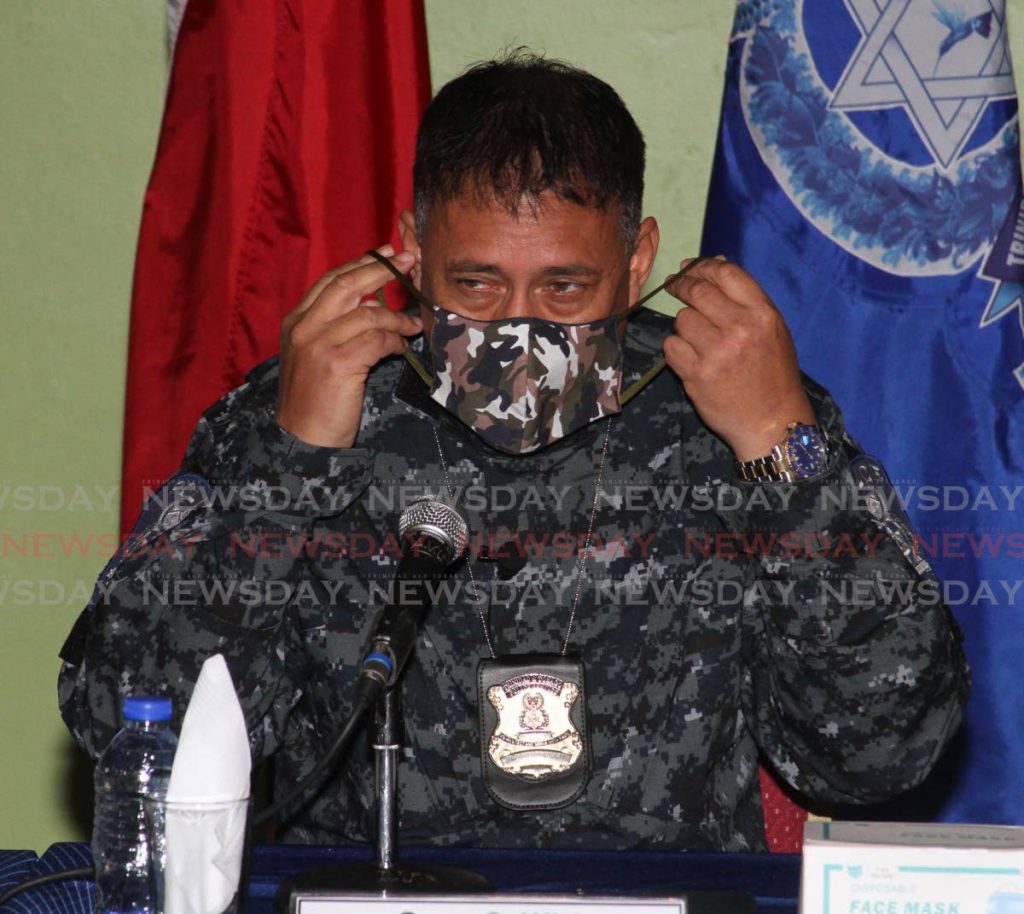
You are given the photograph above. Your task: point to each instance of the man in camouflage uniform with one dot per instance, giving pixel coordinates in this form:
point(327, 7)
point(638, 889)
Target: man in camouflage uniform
point(718, 618)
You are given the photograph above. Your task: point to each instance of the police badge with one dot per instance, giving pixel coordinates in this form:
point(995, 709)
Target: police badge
point(533, 732)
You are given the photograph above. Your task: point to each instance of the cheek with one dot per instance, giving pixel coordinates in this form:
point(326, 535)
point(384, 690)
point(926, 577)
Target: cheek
point(624, 294)
point(430, 282)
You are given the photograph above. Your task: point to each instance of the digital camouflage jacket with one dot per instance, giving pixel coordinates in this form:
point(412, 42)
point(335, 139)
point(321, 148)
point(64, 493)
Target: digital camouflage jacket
point(718, 620)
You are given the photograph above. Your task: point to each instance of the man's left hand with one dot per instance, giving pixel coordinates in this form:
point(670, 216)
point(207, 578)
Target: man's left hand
point(733, 352)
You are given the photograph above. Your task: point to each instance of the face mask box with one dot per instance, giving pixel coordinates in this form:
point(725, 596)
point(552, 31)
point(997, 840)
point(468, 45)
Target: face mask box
point(906, 868)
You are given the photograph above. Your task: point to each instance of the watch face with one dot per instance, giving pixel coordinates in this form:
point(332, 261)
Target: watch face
point(806, 451)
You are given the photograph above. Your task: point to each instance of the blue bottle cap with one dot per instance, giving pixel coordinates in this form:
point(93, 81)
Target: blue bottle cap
point(142, 707)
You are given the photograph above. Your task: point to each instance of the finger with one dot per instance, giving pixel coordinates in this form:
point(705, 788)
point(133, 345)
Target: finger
point(365, 319)
point(293, 316)
point(364, 351)
point(307, 331)
point(697, 330)
point(386, 249)
point(322, 338)
point(682, 358)
point(704, 296)
point(344, 292)
point(733, 280)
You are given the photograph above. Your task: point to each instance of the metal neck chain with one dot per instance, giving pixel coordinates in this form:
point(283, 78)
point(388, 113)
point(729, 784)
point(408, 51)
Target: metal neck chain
point(580, 566)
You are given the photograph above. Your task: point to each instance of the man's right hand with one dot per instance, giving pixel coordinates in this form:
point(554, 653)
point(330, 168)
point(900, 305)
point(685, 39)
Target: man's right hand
point(330, 342)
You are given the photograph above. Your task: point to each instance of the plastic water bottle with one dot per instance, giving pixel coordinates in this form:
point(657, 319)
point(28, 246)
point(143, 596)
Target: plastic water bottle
point(134, 768)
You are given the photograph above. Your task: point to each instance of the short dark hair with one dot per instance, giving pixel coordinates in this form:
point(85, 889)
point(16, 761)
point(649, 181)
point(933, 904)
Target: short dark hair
point(510, 129)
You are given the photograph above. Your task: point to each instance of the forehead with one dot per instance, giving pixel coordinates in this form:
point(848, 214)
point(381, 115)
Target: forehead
point(550, 229)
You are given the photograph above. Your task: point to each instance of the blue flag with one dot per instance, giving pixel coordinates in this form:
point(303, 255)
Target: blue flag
point(867, 174)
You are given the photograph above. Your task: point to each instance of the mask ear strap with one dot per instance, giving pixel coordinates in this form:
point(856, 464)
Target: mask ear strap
point(418, 367)
point(410, 356)
point(641, 382)
point(657, 367)
point(643, 301)
point(407, 283)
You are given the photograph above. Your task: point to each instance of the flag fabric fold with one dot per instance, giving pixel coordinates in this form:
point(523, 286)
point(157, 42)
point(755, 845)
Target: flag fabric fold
point(867, 174)
point(286, 148)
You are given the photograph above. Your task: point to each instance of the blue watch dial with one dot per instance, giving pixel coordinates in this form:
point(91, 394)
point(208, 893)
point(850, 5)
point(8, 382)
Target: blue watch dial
point(806, 451)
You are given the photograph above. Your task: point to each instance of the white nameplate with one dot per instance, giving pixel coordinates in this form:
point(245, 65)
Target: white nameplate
point(481, 904)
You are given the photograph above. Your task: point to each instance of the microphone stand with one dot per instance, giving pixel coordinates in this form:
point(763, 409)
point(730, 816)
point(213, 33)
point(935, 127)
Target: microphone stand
point(385, 877)
point(440, 536)
point(385, 756)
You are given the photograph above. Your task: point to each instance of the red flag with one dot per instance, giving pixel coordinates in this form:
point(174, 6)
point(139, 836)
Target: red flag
point(784, 818)
point(286, 148)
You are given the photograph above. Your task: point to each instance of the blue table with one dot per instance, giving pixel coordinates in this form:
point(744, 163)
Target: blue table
point(773, 879)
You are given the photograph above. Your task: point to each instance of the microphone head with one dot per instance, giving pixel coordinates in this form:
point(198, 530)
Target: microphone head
point(437, 522)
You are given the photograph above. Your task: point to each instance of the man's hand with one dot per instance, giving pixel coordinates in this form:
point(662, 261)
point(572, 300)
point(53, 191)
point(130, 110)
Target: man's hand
point(330, 342)
point(736, 359)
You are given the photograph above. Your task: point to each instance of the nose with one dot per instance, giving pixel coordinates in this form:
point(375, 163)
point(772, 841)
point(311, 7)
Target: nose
point(516, 304)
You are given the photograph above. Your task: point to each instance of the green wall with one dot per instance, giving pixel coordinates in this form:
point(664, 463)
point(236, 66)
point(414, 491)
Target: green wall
point(83, 84)
point(79, 116)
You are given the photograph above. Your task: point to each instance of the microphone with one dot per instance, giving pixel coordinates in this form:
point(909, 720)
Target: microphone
point(434, 535)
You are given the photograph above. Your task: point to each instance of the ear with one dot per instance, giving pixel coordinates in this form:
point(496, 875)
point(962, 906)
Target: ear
point(410, 241)
point(641, 262)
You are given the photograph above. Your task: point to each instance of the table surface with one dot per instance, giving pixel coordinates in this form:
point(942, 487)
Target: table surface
point(772, 879)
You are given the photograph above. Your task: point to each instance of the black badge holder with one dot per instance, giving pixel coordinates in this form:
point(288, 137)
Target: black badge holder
point(535, 729)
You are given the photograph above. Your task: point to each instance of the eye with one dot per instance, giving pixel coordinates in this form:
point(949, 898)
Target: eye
point(567, 290)
point(472, 285)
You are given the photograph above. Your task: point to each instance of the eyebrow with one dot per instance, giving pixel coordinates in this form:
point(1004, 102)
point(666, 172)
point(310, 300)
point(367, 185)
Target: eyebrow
point(568, 269)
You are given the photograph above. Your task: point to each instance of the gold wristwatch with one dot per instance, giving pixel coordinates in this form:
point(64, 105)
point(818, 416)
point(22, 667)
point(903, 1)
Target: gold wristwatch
point(803, 453)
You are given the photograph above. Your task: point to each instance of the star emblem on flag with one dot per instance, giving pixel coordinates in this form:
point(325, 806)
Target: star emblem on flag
point(940, 61)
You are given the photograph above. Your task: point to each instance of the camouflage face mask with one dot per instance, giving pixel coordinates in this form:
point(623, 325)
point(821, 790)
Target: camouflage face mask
point(522, 383)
